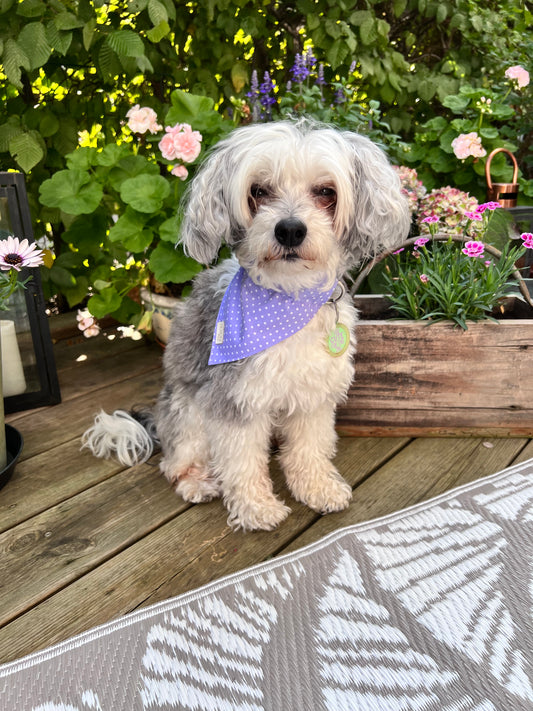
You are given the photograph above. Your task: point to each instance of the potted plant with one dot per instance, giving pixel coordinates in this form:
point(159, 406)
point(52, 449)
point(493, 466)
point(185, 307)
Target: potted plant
point(14, 255)
point(449, 355)
point(119, 205)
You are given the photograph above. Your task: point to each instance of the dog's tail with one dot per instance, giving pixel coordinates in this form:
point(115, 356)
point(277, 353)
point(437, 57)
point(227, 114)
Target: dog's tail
point(129, 437)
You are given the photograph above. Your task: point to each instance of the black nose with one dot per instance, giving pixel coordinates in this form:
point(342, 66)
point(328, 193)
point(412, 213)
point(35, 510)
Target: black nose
point(290, 232)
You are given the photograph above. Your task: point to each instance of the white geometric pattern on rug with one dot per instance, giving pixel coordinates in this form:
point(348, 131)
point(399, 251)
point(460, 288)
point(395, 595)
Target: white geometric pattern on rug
point(222, 646)
point(429, 609)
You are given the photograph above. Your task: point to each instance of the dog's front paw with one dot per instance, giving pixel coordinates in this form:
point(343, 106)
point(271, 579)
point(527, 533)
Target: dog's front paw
point(263, 514)
point(326, 492)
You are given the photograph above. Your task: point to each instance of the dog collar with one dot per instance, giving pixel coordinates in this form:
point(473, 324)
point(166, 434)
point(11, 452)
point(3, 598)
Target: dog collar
point(253, 318)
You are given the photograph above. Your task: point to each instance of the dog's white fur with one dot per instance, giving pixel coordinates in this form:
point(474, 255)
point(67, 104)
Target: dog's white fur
point(215, 423)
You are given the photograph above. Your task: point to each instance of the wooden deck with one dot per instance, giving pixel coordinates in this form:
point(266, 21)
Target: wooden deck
point(83, 541)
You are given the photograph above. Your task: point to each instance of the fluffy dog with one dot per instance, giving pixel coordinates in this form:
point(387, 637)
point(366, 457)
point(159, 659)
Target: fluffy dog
point(298, 204)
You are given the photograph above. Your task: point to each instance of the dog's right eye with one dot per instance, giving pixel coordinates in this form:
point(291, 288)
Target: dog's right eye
point(258, 196)
point(259, 193)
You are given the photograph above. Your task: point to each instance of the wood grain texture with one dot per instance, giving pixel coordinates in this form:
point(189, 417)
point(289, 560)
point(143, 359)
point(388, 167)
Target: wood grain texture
point(83, 541)
point(437, 379)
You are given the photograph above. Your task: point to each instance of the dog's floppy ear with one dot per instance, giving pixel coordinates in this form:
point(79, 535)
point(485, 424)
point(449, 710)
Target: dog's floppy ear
point(206, 222)
point(379, 216)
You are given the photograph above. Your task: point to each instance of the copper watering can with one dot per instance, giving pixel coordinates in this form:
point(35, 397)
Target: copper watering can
point(504, 193)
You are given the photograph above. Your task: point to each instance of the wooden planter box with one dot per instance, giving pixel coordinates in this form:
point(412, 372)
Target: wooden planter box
point(414, 379)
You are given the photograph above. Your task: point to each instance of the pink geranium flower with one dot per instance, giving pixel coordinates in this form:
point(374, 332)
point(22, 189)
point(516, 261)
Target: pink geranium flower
point(473, 249)
point(180, 143)
point(519, 75)
point(143, 119)
point(87, 323)
point(180, 171)
point(468, 144)
point(16, 254)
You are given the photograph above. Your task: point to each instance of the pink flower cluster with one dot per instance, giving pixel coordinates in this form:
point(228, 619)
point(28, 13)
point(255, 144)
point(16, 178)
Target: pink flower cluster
point(473, 249)
point(411, 186)
point(518, 75)
point(527, 238)
point(449, 206)
point(143, 119)
point(87, 323)
point(180, 142)
point(468, 144)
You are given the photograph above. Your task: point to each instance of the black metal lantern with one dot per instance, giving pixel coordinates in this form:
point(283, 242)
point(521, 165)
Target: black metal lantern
point(30, 377)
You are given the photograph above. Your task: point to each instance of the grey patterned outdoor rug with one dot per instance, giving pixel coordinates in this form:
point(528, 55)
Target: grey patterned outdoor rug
point(429, 609)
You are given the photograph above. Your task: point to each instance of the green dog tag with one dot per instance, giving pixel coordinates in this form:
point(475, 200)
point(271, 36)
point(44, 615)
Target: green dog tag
point(338, 340)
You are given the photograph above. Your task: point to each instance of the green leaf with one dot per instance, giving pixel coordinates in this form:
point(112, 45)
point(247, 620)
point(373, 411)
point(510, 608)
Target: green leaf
point(239, 76)
point(157, 12)
point(169, 230)
point(456, 103)
point(68, 21)
point(126, 42)
point(112, 154)
point(187, 107)
point(31, 8)
point(8, 131)
point(104, 303)
point(14, 58)
point(77, 293)
point(49, 124)
point(137, 5)
point(145, 193)
point(368, 31)
point(82, 158)
point(337, 53)
point(131, 167)
point(169, 264)
point(157, 33)
point(87, 233)
point(32, 40)
point(73, 191)
point(130, 231)
point(89, 33)
point(57, 39)
point(26, 149)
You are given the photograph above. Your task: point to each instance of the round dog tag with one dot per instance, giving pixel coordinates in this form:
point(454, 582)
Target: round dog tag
point(338, 340)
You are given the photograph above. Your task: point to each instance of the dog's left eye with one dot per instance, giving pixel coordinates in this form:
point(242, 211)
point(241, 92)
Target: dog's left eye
point(325, 195)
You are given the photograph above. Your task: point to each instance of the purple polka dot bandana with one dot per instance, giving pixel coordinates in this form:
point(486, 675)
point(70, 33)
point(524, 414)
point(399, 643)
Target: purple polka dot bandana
point(252, 318)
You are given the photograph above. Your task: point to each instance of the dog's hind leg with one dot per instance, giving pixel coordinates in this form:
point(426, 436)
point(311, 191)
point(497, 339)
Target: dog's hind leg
point(185, 448)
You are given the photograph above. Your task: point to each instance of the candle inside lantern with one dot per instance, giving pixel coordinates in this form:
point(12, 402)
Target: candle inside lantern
point(13, 381)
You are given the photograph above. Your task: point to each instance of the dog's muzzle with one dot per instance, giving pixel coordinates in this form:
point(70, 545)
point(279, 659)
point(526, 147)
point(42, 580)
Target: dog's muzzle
point(290, 232)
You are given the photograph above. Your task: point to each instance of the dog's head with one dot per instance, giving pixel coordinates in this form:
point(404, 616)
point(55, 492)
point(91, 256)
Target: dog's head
point(297, 203)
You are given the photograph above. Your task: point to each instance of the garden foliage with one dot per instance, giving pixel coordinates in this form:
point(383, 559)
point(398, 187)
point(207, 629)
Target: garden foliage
point(411, 73)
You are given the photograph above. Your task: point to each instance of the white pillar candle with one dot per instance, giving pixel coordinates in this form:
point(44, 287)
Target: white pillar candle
point(13, 381)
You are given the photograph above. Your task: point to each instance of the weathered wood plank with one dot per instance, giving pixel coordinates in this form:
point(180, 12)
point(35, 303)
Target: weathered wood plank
point(49, 478)
point(96, 371)
point(191, 549)
point(423, 470)
point(69, 539)
point(47, 428)
point(439, 376)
